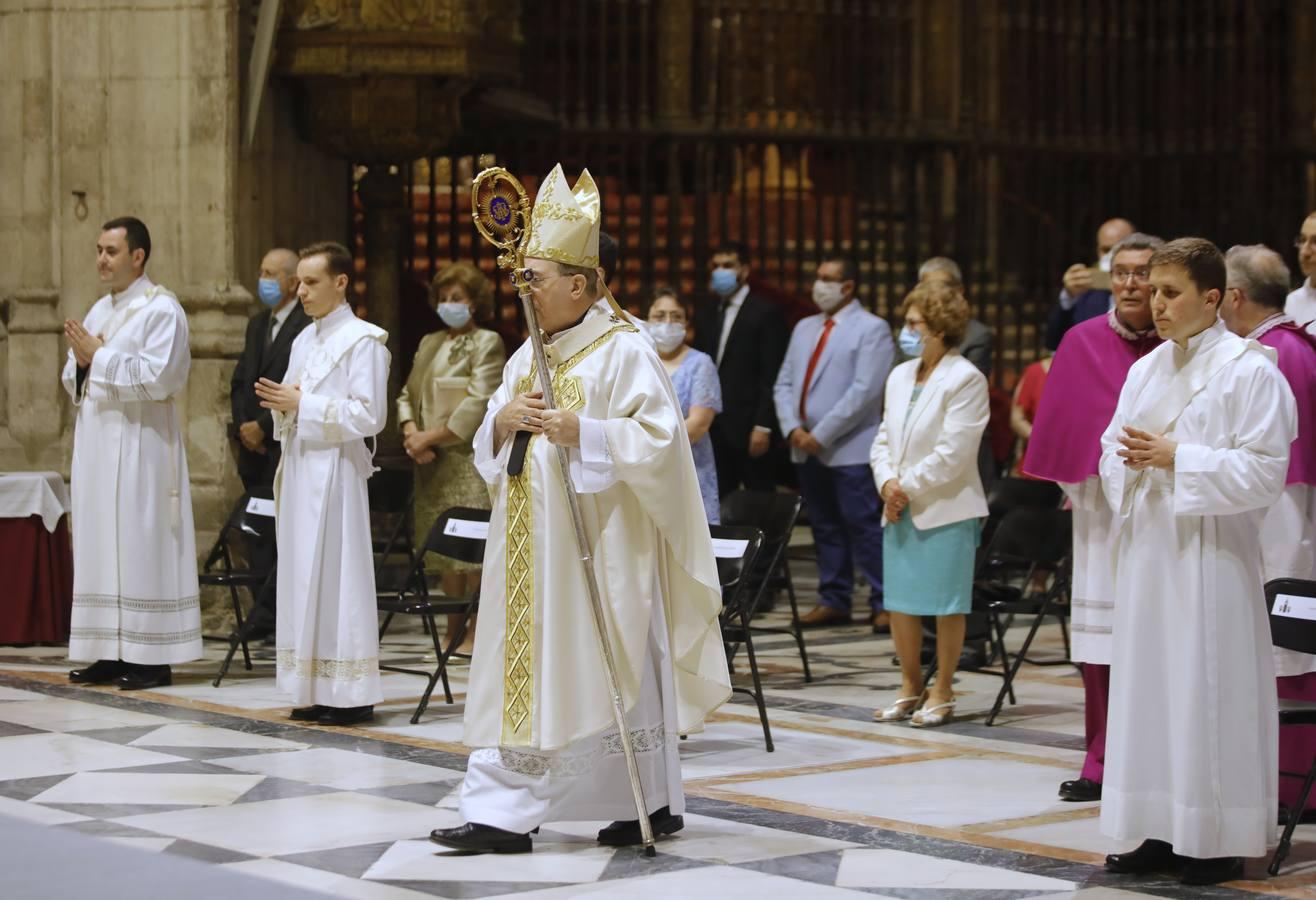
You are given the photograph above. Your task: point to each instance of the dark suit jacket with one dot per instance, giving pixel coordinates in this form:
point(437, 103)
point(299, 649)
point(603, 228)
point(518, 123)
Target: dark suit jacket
point(748, 372)
point(258, 362)
point(1088, 305)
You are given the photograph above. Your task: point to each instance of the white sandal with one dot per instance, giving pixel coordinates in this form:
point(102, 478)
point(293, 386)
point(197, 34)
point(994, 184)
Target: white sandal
point(899, 711)
point(932, 716)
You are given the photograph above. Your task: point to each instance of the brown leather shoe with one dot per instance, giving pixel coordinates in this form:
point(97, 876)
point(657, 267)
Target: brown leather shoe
point(882, 622)
point(824, 615)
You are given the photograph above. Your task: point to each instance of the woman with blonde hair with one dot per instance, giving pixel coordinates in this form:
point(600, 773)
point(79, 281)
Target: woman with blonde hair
point(924, 463)
point(455, 372)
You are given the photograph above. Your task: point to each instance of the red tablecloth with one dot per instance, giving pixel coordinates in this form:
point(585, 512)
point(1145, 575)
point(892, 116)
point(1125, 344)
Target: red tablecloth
point(36, 581)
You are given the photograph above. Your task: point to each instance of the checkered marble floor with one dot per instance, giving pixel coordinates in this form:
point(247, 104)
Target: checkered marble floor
point(844, 807)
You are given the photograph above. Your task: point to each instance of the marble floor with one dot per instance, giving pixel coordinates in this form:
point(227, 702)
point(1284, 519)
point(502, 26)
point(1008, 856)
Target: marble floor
point(844, 807)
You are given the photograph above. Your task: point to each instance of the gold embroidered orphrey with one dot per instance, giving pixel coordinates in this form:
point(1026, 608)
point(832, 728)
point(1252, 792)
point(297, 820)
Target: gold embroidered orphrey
point(518, 659)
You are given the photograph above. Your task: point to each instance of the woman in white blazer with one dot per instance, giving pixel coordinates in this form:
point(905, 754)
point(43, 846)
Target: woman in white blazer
point(924, 463)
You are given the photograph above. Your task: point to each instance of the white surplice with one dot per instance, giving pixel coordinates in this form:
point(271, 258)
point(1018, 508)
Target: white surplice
point(537, 705)
point(1191, 748)
point(135, 594)
point(327, 626)
point(1092, 611)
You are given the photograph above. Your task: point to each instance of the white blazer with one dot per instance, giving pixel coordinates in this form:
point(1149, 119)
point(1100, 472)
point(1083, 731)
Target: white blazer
point(932, 449)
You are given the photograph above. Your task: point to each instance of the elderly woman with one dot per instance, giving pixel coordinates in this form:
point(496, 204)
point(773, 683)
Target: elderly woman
point(455, 372)
point(925, 466)
point(694, 375)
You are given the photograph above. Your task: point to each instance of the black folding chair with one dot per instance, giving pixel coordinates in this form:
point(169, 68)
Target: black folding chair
point(391, 492)
point(1289, 601)
point(776, 514)
point(244, 525)
point(459, 533)
point(1027, 542)
point(737, 549)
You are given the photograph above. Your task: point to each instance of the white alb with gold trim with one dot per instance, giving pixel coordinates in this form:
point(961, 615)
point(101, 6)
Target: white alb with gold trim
point(327, 632)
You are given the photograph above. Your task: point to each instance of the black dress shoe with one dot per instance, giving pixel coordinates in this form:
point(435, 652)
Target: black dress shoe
point(103, 671)
point(345, 715)
point(1212, 871)
point(1151, 856)
point(140, 678)
point(1081, 790)
point(475, 838)
point(308, 713)
point(627, 833)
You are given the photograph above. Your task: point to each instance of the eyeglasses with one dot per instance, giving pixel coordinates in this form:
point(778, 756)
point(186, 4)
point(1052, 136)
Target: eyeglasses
point(1119, 276)
point(530, 278)
point(1304, 241)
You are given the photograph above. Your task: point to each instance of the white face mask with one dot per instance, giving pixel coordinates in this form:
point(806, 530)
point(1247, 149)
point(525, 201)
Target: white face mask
point(667, 336)
point(828, 295)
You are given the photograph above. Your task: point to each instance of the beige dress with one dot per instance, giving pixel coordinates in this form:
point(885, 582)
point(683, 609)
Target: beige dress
point(451, 381)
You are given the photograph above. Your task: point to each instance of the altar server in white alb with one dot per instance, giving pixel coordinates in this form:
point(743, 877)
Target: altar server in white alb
point(538, 706)
point(332, 401)
point(1197, 450)
point(135, 606)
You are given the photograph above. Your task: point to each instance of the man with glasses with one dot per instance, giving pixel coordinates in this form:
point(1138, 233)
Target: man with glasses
point(1086, 292)
point(538, 706)
point(1301, 303)
point(1082, 390)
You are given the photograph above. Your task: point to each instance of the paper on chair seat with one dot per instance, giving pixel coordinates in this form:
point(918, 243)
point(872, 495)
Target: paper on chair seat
point(464, 528)
point(261, 506)
point(1295, 607)
point(724, 548)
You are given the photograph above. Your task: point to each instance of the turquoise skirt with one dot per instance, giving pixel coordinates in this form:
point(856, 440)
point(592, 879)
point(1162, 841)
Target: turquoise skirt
point(929, 573)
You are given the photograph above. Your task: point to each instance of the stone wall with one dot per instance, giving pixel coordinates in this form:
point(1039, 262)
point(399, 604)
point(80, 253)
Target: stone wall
point(133, 108)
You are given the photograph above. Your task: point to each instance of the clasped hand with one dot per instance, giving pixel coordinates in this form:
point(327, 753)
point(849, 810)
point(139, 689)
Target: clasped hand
point(895, 500)
point(283, 397)
point(529, 412)
point(1146, 451)
point(805, 441)
point(83, 343)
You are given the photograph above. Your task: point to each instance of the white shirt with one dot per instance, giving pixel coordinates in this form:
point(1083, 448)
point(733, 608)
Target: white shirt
point(279, 318)
point(1301, 303)
point(729, 318)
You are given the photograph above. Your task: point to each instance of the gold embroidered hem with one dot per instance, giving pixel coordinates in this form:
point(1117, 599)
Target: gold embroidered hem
point(331, 669)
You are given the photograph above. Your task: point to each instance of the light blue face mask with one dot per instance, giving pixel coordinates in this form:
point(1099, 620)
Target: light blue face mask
point(270, 291)
point(667, 336)
point(911, 342)
point(724, 282)
point(454, 315)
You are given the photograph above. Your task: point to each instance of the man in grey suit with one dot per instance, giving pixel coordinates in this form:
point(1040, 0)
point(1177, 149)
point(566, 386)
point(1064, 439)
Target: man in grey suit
point(978, 340)
point(828, 397)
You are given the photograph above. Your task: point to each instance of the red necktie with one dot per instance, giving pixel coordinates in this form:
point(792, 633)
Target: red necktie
point(813, 364)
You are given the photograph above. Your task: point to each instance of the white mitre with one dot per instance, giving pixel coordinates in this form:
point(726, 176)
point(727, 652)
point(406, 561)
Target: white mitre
point(564, 225)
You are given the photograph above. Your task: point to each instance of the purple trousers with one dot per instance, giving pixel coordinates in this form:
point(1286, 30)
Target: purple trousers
point(1096, 699)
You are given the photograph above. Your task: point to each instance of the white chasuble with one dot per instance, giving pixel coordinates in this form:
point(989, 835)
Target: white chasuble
point(537, 686)
point(1092, 609)
point(1191, 747)
point(135, 594)
point(327, 626)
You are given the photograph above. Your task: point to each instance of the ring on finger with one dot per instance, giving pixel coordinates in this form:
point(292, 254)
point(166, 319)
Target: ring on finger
point(525, 420)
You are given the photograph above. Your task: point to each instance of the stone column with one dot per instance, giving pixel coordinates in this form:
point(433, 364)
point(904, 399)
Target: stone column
point(382, 195)
point(37, 402)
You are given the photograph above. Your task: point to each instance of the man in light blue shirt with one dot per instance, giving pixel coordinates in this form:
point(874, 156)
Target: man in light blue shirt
point(828, 397)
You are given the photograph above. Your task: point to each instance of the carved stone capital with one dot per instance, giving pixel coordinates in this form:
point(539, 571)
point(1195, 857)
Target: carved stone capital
point(33, 311)
point(217, 318)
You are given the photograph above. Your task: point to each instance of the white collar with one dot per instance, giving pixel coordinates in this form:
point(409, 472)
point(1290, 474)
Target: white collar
point(330, 323)
point(132, 291)
point(1272, 322)
point(1200, 341)
point(282, 315)
point(736, 299)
